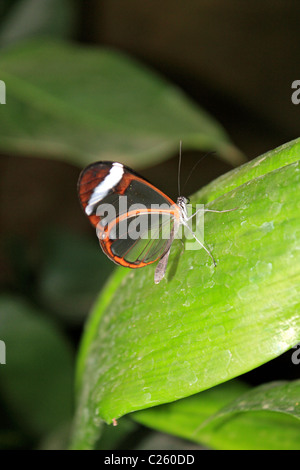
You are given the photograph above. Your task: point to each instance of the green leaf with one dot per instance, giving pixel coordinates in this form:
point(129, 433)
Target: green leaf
point(148, 344)
point(227, 417)
point(274, 159)
point(83, 104)
point(281, 397)
point(36, 382)
point(184, 417)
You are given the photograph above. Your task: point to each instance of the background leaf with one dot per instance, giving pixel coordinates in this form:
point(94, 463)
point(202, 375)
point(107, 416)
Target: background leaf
point(229, 417)
point(36, 383)
point(281, 397)
point(148, 344)
point(83, 104)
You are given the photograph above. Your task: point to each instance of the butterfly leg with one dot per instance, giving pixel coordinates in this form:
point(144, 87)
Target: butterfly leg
point(201, 244)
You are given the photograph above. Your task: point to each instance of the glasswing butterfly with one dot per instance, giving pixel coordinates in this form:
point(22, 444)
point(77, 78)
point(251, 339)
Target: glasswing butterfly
point(141, 231)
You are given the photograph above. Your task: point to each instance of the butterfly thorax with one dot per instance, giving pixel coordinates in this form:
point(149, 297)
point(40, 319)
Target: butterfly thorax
point(182, 204)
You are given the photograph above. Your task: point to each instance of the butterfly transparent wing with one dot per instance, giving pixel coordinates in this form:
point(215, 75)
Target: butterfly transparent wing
point(140, 239)
point(134, 220)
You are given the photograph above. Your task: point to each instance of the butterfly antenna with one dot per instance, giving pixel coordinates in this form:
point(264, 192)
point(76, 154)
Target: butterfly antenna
point(196, 164)
point(179, 168)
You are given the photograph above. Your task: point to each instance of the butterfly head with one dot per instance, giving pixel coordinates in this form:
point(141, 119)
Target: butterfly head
point(182, 201)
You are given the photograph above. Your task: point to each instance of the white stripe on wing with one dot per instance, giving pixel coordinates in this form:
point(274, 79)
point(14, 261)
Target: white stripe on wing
point(110, 181)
